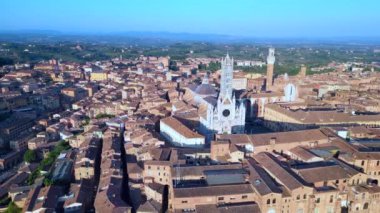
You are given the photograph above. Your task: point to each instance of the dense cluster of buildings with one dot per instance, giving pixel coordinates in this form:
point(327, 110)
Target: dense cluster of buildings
point(144, 138)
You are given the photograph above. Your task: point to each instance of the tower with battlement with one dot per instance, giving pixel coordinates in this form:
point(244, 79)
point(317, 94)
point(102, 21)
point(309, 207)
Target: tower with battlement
point(270, 68)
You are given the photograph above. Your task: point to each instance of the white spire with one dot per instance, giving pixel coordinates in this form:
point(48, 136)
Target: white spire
point(226, 76)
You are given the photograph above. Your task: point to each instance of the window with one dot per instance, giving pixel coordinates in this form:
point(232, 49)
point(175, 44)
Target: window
point(378, 163)
point(362, 162)
point(274, 201)
point(268, 201)
point(184, 201)
point(318, 200)
point(337, 181)
point(304, 196)
point(365, 206)
point(244, 197)
point(331, 198)
point(220, 198)
point(148, 167)
point(298, 197)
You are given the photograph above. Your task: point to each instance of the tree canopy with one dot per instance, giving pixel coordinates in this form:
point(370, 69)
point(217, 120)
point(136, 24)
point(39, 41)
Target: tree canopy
point(30, 156)
point(13, 208)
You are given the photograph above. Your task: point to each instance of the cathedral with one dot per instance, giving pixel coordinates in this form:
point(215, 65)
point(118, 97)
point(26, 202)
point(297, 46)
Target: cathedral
point(219, 112)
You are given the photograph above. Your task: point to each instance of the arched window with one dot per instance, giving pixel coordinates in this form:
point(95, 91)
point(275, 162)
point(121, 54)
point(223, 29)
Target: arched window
point(298, 197)
point(304, 196)
point(268, 201)
point(365, 206)
point(274, 201)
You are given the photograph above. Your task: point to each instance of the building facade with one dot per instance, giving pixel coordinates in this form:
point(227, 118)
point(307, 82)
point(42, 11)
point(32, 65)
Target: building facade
point(226, 114)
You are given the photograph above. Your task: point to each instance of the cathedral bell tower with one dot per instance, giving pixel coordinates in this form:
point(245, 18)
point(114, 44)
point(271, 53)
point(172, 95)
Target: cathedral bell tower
point(226, 77)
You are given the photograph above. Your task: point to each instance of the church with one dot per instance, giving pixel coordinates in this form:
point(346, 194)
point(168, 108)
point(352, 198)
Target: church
point(220, 113)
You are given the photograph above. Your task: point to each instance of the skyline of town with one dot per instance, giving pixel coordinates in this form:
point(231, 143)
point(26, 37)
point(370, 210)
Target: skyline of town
point(260, 106)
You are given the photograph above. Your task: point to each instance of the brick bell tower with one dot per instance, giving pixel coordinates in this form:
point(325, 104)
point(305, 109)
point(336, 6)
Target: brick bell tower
point(270, 66)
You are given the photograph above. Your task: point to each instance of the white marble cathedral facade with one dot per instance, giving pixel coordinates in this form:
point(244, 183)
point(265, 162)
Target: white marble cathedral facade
point(226, 114)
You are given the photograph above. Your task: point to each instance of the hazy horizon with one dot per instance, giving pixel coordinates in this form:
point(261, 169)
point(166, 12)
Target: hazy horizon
point(244, 18)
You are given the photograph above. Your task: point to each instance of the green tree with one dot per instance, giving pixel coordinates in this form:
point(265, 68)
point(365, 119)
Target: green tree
point(102, 115)
point(48, 182)
point(202, 66)
point(214, 66)
point(30, 156)
point(13, 208)
point(48, 161)
point(194, 71)
point(33, 176)
point(173, 66)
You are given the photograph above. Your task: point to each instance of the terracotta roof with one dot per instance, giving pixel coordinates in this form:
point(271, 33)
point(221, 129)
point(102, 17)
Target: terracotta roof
point(199, 170)
point(180, 128)
point(43, 197)
point(280, 137)
point(283, 175)
point(230, 208)
point(205, 89)
point(260, 95)
point(218, 190)
point(369, 189)
point(150, 206)
point(302, 153)
point(261, 180)
point(323, 173)
point(322, 117)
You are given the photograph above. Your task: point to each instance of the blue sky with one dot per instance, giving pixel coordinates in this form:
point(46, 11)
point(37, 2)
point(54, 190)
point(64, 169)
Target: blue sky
point(259, 18)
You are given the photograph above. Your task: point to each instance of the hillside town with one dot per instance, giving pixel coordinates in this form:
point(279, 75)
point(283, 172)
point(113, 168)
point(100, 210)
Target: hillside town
point(152, 134)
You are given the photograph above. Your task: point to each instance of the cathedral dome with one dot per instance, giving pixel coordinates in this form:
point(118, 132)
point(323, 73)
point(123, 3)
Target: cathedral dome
point(205, 89)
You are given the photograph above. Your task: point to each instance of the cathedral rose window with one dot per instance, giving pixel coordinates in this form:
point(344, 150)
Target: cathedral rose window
point(226, 113)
